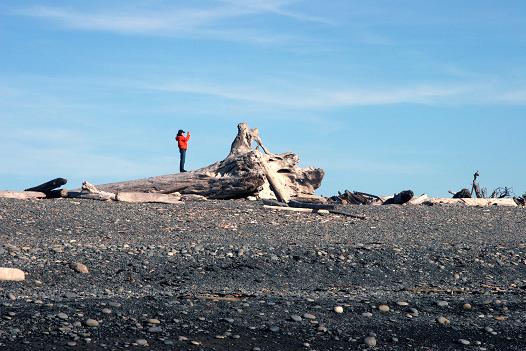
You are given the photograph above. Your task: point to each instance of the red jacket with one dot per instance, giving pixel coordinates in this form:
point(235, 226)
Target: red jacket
point(182, 141)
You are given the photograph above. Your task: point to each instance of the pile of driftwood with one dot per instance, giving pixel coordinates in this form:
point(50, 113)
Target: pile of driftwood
point(245, 172)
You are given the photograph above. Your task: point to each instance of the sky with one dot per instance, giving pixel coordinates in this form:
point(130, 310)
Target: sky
point(383, 95)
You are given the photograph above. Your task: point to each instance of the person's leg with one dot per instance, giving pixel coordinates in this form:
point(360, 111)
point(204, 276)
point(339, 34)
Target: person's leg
point(183, 157)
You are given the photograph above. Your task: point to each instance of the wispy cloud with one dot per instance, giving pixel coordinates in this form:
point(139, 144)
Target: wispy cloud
point(215, 22)
point(318, 98)
point(516, 97)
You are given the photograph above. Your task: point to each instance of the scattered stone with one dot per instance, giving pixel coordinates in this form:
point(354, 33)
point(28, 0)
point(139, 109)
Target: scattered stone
point(106, 311)
point(12, 274)
point(62, 315)
point(141, 342)
point(383, 308)
point(153, 321)
point(367, 314)
point(309, 316)
point(92, 323)
point(467, 307)
point(464, 342)
point(442, 303)
point(442, 320)
point(370, 341)
point(402, 303)
point(79, 267)
point(296, 318)
point(338, 309)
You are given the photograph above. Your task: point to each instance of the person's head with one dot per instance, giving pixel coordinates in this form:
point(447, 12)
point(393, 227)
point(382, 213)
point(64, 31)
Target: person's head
point(180, 132)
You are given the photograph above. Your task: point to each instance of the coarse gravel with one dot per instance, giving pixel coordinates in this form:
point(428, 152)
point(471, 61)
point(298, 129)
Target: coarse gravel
point(231, 275)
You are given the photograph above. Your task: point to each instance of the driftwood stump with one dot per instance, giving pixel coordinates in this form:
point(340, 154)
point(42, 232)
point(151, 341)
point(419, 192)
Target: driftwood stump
point(244, 172)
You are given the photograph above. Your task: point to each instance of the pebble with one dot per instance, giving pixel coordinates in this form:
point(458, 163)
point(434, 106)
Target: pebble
point(274, 329)
point(402, 303)
point(464, 341)
point(383, 308)
point(91, 323)
point(309, 316)
point(71, 343)
point(153, 321)
point(442, 303)
point(367, 314)
point(467, 307)
point(141, 342)
point(370, 341)
point(62, 315)
point(338, 309)
point(106, 311)
point(78, 267)
point(296, 318)
point(442, 320)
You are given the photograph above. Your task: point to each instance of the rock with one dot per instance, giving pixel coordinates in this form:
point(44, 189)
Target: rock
point(141, 342)
point(464, 342)
point(274, 329)
point(92, 323)
point(370, 341)
point(338, 309)
point(155, 329)
point(383, 308)
point(79, 267)
point(309, 316)
point(442, 320)
point(12, 274)
point(153, 321)
point(402, 303)
point(106, 311)
point(71, 343)
point(11, 296)
point(442, 303)
point(62, 315)
point(467, 307)
point(367, 314)
point(296, 318)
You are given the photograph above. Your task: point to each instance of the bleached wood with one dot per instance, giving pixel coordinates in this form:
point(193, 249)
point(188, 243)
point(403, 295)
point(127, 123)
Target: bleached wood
point(244, 172)
point(22, 195)
point(135, 197)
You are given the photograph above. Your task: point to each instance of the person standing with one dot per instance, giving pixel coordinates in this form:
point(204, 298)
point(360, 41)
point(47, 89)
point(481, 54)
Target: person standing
point(182, 142)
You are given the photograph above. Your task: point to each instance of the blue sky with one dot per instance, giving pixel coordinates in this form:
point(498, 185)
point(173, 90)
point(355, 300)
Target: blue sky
point(383, 95)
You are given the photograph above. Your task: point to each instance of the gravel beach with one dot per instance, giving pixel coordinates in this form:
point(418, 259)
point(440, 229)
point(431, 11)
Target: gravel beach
point(231, 275)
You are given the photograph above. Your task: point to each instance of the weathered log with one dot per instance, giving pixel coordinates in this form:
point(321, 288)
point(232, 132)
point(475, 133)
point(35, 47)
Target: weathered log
point(419, 200)
point(55, 194)
point(475, 187)
point(244, 172)
point(48, 186)
point(508, 202)
point(22, 195)
point(400, 198)
point(299, 204)
point(462, 194)
point(87, 196)
point(149, 197)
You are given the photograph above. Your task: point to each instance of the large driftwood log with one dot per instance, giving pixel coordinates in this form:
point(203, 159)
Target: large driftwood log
point(48, 186)
point(244, 172)
point(22, 195)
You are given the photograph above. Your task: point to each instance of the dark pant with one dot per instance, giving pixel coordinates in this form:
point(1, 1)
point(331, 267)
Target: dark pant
point(183, 158)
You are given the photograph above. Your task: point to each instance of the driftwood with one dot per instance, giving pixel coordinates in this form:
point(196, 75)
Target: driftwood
point(473, 202)
point(89, 191)
point(22, 195)
point(310, 210)
point(48, 186)
point(300, 204)
point(462, 194)
point(355, 198)
point(400, 198)
point(244, 172)
point(149, 197)
point(475, 187)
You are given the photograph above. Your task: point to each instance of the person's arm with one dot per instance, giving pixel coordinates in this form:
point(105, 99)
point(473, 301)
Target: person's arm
point(188, 136)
